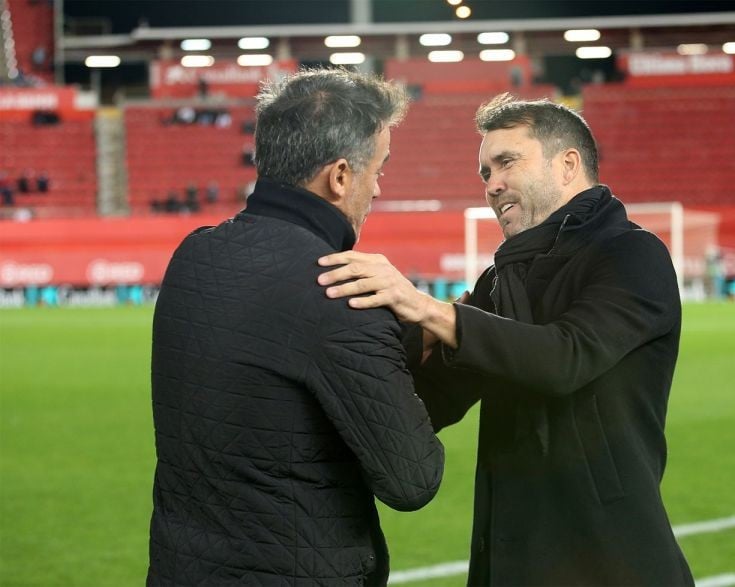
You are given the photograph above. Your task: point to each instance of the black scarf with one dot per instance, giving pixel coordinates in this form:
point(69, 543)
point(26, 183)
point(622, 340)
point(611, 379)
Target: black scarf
point(525, 263)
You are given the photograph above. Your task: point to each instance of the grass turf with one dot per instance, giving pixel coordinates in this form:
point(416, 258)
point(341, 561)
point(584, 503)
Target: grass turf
point(76, 452)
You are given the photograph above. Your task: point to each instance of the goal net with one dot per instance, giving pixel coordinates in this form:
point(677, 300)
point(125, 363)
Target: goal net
point(688, 234)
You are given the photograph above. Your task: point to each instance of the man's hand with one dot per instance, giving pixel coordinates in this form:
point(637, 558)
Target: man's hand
point(378, 283)
point(374, 275)
point(430, 340)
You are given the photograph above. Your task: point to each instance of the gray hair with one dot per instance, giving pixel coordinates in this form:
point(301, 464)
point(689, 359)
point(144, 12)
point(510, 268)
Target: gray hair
point(314, 117)
point(555, 126)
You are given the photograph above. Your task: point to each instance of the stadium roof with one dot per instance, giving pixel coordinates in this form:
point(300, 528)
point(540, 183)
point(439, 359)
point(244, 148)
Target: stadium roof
point(140, 31)
point(123, 16)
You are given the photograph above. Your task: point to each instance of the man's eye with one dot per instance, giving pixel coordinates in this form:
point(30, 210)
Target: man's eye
point(506, 162)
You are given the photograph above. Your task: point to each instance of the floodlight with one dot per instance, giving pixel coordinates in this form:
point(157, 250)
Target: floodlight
point(247, 43)
point(335, 41)
point(255, 60)
point(346, 58)
point(593, 52)
point(102, 61)
point(492, 38)
point(497, 55)
point(692, 49)
point(435, 39)
point(196, 45)
point(584, 35)
point(446, 56)
point(463, 11)
point(197, 61)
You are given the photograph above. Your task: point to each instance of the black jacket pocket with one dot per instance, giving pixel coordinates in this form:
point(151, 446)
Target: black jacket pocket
point(597, 451)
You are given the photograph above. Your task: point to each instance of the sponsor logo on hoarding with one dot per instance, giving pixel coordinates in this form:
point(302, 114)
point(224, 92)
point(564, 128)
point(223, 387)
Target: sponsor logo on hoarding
point(104, 271)
point(12, 273)
point(658, 64)
point(227, 72)
point(29, 101)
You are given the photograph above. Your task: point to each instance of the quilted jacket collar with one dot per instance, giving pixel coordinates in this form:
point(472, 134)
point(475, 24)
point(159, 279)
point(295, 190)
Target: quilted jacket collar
point(304, 208)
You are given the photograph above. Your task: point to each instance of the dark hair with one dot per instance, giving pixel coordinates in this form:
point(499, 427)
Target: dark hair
point(314, 117)
point(555, 126)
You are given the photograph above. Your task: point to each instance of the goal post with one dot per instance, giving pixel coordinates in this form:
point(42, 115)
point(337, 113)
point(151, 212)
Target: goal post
point(688, 234)
point(662, 219)
point(472, 266)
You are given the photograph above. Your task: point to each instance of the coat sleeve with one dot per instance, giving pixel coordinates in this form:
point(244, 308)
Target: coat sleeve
point(630, 298)
point(359, 376)
point(447, 393)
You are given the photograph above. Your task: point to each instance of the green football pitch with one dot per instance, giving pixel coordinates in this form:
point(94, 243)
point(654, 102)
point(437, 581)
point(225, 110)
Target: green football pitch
point(76, 452)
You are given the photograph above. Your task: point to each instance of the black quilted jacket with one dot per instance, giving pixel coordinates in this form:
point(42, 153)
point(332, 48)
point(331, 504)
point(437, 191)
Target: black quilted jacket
point(279, 414)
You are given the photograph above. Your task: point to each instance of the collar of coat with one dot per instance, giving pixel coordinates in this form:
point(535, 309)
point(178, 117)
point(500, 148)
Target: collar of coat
point(303, 208)
point(571, 227)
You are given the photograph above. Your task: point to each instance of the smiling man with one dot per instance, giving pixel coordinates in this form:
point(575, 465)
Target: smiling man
point(521, 180)
point(569, 342)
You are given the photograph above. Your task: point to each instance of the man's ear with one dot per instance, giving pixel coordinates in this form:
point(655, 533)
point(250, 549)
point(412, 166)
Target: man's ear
point(333, 182)
point(340, 179)
point(571, 162)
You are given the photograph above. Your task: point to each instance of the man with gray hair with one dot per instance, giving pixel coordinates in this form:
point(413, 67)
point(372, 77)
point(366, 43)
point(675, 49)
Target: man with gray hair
point(569, 341)
point(281, 414)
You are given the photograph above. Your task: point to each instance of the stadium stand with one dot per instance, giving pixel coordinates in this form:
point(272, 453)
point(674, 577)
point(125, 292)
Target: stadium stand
point(665, 143)
point(164, 156)
point(663, 137)
point(434, 151)
point(65, 152)
point(32, 25)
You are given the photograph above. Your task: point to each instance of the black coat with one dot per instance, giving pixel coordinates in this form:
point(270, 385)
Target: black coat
point(280, 414)
point(574, 394)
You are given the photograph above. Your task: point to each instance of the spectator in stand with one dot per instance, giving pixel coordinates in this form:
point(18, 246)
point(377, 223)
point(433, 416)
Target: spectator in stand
point(212, 192)
point(38, 58)
point(192, 197)
point(43, 182)
point(223, 119)
point(45, 118)
point(24, 181)
point(6, 190)
point(203, 88)
point(173, 203)
point(185, 115)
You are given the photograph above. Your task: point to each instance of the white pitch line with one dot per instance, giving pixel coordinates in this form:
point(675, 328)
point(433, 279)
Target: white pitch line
point(421, 573)
point(461, 567)
point(717, 581)
point(454, 568)
point(704, 527)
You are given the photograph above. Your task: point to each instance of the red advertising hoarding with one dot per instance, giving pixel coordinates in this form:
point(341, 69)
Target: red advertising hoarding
point(111, 251)
point(170, 79)
point(656, 69)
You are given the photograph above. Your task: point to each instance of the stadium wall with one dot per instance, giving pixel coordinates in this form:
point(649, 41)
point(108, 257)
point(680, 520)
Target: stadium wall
point(108, 252)
point(86, 252)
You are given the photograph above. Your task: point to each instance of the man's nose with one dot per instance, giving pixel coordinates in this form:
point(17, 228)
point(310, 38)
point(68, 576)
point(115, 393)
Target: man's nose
point(494, 187)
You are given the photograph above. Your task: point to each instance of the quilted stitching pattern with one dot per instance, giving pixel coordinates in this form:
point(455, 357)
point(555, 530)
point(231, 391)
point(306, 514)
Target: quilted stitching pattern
point(279, 415)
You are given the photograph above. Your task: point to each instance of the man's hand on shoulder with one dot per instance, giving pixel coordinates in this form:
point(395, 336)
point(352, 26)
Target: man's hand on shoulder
point(378, 283)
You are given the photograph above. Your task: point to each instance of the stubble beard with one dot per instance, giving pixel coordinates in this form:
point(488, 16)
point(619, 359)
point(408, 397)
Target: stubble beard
point(541, 198)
